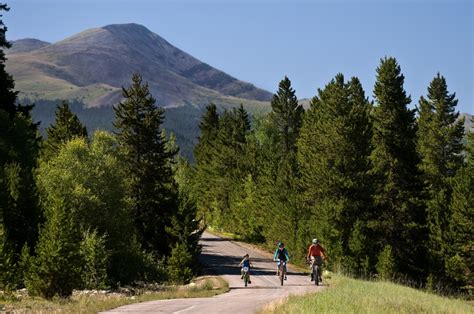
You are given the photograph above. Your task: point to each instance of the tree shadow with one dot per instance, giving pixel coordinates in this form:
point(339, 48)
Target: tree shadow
point(229, 265)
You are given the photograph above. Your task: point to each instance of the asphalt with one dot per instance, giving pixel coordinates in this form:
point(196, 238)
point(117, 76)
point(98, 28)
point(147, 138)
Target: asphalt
point(221, 257)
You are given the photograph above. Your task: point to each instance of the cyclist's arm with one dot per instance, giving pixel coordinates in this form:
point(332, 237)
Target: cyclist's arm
point(275, 255)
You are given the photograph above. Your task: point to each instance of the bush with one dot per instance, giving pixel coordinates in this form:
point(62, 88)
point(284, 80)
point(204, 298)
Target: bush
point(180, 264)
point(55, 270)
point(386, 263)
point(96, 257)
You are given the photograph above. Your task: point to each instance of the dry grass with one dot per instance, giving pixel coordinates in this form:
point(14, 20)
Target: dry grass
point(93, 302)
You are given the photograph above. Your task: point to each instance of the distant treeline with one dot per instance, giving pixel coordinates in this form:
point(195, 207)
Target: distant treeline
point(389, 191)
point(182, 121)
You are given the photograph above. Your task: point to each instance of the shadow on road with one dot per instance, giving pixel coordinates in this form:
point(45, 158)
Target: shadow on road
point(213, 239)
point(229, 265)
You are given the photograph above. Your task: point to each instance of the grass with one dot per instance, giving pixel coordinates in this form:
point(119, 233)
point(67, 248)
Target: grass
point(93, 303)
point(346, 295)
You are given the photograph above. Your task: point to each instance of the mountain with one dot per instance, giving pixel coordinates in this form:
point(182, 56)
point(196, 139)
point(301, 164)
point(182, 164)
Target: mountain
point(27, 45)
point(93, 65)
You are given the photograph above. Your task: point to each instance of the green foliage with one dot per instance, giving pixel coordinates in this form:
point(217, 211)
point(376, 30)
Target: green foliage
point(185, 230)
point(95, 256)
point(66, 127)
point(7, 85)
point(147, 164)
point(333, 152)
point(19, 144)
point(279, 180)
point(459, 260)
point(386, 263)
point(90, 179)
point(440, 136)
point(286, 116)
point(56, 268)
point(180, 264)
point(398, 218)
point(204, 155)
point(8, 275)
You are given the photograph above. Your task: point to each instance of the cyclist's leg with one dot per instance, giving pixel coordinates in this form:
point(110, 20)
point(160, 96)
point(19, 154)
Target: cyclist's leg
point(319, 262)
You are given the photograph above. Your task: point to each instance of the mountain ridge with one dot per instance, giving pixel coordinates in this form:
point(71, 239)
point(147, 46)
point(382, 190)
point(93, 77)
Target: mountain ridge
point(93, 65)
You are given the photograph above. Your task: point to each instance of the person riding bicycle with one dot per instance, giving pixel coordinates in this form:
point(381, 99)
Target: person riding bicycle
point(245, 263)
point(281, 255)
point(315, 255)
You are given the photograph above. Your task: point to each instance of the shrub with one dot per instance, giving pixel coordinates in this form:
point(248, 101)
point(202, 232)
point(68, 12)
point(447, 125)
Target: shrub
point(386, 263)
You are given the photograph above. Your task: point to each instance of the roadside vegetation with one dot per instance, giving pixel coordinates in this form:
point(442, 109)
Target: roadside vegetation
point(347, 295)
point(93, 301)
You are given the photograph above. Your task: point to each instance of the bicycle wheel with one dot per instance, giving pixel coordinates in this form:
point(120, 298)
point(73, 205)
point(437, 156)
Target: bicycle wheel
point(282, 274)
point(316, 275)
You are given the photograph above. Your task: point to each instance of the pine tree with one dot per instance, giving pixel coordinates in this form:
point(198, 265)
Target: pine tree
point(56, 268)
point(204, 153)
point(440, 146)
point(287, 117)
point(459, 260)
point(186, 231)
point(7, 85)
point(228, 167)
point(333, 152)
point(153, 189)
point(19, 144)
point(398, 218)
point(66, 127)
point(280, 182)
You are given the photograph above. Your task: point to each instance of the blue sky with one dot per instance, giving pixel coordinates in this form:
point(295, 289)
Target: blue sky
point(310, 41)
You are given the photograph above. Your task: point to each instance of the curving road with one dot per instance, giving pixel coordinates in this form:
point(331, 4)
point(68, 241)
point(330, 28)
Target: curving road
point(221, 257)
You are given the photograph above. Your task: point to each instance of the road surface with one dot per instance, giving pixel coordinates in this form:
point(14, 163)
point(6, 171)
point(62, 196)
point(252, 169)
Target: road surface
point(221, 257)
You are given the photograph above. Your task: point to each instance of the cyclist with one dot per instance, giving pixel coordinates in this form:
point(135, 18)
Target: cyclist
point(245, 263)
point(281, 255)
point(315, 254)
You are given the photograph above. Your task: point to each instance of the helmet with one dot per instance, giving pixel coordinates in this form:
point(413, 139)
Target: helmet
point(281, 244)
point(315, 241)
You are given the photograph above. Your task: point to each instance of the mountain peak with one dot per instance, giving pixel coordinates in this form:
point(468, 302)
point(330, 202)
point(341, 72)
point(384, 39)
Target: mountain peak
point(94, 65)
point(27, 45)
point(127, 27)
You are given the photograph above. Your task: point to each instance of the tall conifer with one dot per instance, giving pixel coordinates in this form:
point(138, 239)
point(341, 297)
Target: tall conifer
point(66, 127)
point(440, 146)
point(398, 218)
point(153, 189)
point(333, 152)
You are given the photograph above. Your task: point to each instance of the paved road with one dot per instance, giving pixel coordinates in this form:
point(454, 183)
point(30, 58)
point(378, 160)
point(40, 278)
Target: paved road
point(221, 257)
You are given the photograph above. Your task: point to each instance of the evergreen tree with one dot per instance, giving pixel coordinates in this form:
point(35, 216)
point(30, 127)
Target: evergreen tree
point(228, 167)
point(19, 142)
point(440, 146)
point(398, 218)
point(186, 231)
point(66, 127)
point(56, 268)
point(281, 181)
point(459, 259)
point(153, 190)
point(7, 85)
point(204, 154)
point(333, 152)
point(287, 117)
